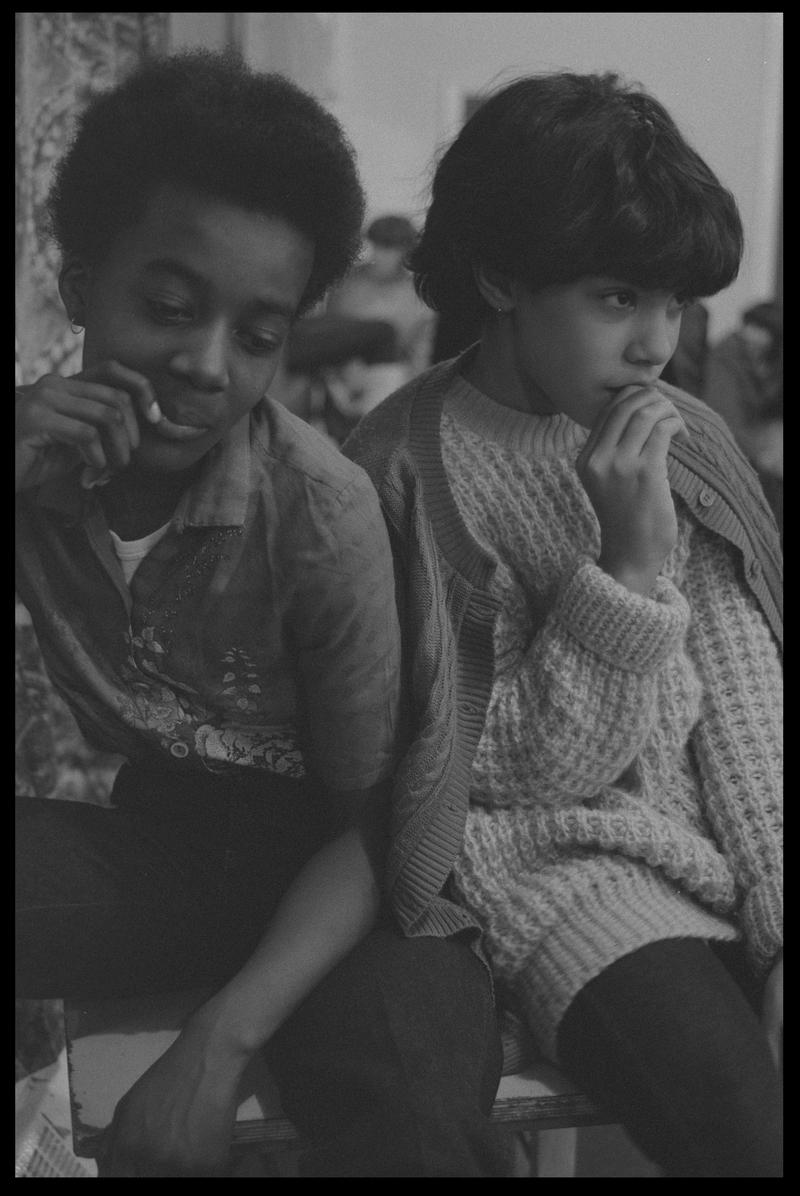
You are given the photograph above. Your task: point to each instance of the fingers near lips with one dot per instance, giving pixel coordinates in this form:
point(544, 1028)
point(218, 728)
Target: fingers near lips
point(147, 405)
point(108, 427)
point(136, 385)
point(632, 416)
point(136, 402)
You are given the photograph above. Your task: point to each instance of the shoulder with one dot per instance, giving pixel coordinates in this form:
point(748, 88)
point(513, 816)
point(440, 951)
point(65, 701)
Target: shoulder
point(315, 504)
point(714, 458)
point(712, 463)
point(291, 451)
point(390, 435)
point(383, 433)
point(712, 442)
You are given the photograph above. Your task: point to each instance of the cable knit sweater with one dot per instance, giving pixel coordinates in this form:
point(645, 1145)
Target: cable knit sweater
point(626, 786)
point(448, 613)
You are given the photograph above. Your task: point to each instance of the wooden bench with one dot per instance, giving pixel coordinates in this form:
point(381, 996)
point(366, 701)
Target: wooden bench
point(111, 1043)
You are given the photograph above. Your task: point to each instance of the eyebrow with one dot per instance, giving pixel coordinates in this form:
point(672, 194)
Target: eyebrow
point(168, 265)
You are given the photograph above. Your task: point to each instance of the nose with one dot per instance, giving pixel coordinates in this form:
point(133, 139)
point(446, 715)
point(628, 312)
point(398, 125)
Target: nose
point(202, 359)
point(653, 339)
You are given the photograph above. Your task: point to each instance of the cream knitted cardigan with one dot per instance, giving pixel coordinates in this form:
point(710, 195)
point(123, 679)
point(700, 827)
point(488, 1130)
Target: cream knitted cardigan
point(626, 787)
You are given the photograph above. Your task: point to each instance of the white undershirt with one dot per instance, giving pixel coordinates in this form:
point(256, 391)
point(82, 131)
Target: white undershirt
point(131, 553)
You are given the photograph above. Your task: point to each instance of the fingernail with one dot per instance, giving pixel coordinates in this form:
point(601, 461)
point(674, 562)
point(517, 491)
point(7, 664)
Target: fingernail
point(154, 412)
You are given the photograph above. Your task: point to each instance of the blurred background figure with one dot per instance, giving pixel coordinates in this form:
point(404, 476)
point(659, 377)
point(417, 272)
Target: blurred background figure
point(382, 288)
point(743, 382)
point(337, 368)
point(687, 365)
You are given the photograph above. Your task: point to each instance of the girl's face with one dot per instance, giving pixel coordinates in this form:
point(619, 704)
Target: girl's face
point(573, 346)
point(198, 297)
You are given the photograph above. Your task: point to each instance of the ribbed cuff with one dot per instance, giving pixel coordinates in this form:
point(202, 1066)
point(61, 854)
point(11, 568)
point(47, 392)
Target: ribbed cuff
point(629, 631)
point(762, 918)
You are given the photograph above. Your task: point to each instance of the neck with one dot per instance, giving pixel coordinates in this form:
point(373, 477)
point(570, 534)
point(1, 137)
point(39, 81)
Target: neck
point(495, 369)
point(137, 502)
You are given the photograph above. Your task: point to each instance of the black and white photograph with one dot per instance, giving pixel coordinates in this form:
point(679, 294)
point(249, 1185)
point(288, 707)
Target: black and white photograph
point(398, 595)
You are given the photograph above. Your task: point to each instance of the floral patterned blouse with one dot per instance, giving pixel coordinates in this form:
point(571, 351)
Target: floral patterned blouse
point(259, 632)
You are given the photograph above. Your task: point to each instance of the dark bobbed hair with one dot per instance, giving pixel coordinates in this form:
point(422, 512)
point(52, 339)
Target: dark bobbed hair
point(559, 176)
point(207, 121)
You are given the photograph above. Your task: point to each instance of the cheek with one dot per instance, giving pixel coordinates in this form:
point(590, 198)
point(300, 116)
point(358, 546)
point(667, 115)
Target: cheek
point(252, 383)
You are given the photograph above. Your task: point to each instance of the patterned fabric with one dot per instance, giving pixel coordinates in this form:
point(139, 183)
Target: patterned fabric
point(259, 632)
point(627, 784)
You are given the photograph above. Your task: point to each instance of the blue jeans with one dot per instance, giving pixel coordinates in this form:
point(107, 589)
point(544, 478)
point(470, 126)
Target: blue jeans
point(388, 1069)
point(667, 1041)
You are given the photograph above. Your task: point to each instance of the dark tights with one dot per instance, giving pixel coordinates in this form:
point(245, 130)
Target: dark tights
point(669, 1043)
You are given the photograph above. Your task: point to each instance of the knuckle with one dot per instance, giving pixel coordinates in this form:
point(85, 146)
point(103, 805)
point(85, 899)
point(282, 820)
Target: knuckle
point(111, 416)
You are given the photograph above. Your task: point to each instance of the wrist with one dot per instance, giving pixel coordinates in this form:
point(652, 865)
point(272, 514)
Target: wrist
point(224, 1034)
point(638, 579)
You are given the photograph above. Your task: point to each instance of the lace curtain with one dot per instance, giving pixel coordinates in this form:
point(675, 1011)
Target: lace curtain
point(62, 58)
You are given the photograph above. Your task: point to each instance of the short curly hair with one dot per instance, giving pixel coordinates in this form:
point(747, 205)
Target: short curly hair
point(208, 121)
point(560, 175)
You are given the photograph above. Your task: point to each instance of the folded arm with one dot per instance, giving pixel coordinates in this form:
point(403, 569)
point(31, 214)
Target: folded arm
point(178, 1118)
point(574, 711)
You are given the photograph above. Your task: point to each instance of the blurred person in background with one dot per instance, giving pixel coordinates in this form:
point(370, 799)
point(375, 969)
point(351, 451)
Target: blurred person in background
point(382, 288)
point(743, 383)
point(335, 369)
point(687, 365)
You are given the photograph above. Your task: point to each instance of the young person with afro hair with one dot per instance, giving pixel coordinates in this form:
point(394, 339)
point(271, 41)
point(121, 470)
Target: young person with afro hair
point(211, 585)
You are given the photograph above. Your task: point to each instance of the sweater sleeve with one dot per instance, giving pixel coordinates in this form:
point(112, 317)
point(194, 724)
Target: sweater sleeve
point(738, 739)
point(574, 711)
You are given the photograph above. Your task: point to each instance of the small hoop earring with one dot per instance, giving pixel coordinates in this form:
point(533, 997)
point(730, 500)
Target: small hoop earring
point(76, 328)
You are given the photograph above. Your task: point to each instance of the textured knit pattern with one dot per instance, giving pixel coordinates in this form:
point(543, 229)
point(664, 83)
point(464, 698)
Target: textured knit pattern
point(626, 786)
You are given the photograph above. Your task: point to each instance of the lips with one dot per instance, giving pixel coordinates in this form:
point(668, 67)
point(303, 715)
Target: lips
point(174, 431)
point(644, 383)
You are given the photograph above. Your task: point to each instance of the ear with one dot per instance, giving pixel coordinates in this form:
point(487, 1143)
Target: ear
point(496, 288)
point(73, 286)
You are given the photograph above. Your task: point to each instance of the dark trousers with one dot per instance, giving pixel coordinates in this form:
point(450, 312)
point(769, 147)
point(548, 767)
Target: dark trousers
point(389, 1068)
point(668, 1042)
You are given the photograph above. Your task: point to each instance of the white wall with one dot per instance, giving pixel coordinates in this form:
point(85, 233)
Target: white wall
point(719, 75)
point(396, 81)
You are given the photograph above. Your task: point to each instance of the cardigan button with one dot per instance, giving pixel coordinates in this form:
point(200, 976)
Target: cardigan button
point(754, 569)
point(707, 497)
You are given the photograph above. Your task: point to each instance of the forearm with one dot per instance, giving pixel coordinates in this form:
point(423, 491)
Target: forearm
point(738, 741)
point(575, 711)
point(330, 906)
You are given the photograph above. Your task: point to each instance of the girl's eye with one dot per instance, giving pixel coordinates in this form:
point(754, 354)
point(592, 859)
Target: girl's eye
point(620, 300)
